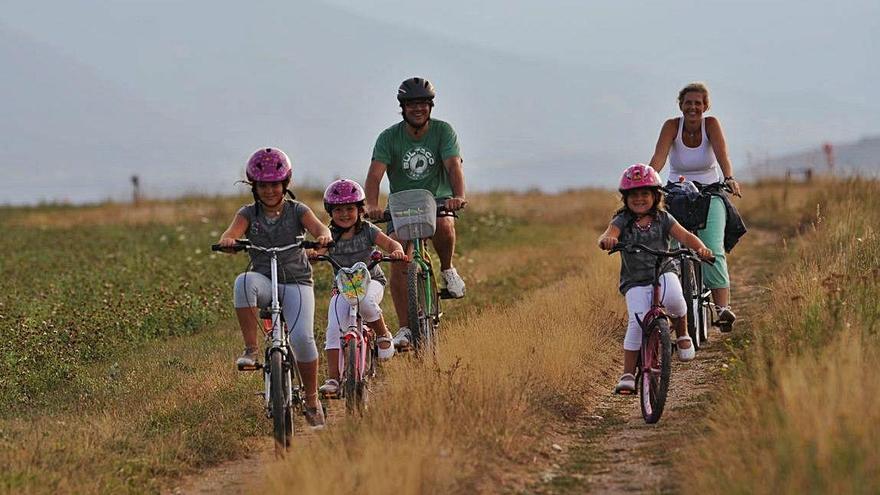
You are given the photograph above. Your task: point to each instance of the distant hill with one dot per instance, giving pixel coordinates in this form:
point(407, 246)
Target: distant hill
point(862, 157)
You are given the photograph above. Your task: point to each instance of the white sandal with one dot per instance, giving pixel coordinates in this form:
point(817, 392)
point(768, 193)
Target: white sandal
point(385, 354)
point(685, 354)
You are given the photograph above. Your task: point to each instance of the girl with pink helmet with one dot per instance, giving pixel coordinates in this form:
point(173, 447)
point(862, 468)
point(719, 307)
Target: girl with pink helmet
point(642, 220)
point(355, 239)
point(276, 218)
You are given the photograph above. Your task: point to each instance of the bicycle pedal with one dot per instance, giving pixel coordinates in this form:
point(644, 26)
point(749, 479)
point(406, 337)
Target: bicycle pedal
point(254, 367)
point(445, 294)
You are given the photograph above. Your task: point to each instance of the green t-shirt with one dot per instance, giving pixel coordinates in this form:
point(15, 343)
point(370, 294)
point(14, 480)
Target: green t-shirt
point(418, 164)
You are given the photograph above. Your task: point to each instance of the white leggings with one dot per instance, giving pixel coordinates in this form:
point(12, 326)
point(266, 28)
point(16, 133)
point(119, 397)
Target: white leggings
point(638, 302)
point(297, 303)
point(337, 313)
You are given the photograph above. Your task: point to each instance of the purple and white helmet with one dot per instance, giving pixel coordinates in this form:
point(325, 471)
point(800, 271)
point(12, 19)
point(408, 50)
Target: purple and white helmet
point(268, 165)
point(343, 192)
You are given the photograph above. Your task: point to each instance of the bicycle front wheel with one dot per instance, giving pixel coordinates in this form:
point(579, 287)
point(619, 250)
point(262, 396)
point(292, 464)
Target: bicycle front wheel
point(282, 421)
point(420, 323)
point(656, 370)
point(350, 380)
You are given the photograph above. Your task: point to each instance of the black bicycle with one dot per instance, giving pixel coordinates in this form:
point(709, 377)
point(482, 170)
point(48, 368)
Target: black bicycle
point(688, 203)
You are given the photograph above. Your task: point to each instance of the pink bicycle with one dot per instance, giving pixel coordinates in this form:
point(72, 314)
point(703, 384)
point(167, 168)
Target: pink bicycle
point(654, 365)
point(359, 352)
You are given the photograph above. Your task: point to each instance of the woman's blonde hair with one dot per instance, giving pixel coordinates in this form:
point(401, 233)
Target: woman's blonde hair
point(698, 87)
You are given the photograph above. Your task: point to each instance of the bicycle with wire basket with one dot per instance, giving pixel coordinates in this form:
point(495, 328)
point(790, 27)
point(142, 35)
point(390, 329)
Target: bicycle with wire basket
point(654, 362)
point(282, 383)
point(414, 215)
point(359, 351)
point(688, 202)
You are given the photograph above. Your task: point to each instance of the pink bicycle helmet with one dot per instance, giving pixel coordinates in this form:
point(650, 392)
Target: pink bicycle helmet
point(639, 175)
point(268, 165)
point(343, 192)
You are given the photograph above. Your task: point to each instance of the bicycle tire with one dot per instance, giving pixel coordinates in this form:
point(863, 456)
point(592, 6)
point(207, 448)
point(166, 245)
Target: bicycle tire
point(654, 380)
point(419, 321)
point(280, 409)
point(349, 382)
point(690, 289)
point(705, 300)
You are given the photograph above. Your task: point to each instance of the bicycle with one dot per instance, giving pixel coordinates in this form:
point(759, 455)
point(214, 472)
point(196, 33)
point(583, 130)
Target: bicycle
point(414, 214)
point(654, 362)
point(280, 396)
point(359, 351)
point(688, 202)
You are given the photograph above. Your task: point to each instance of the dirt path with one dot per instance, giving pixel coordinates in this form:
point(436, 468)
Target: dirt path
point(613, 450)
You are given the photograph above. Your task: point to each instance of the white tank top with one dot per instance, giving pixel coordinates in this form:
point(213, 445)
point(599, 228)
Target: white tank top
point(696, 164)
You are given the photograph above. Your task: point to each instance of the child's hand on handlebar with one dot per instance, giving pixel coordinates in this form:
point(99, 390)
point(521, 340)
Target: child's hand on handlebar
point(397, 254)
point(324, 240)
point(226, 244)
point(607, 242)
point(705, 253)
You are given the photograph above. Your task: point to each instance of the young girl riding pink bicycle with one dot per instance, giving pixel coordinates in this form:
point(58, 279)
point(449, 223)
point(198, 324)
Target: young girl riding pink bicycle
point(355, 240)
point(642, 220)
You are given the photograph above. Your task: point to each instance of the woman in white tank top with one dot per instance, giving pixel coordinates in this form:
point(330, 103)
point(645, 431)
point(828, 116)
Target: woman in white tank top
point(697, 150)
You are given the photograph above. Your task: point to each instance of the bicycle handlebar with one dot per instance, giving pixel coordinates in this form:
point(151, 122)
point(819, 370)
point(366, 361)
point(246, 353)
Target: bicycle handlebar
point(243, 244)
point(374, 260)
point(634, 248)
point(386, 216)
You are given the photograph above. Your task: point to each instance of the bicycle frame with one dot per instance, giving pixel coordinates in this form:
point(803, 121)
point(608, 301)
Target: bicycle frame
point(419, 258)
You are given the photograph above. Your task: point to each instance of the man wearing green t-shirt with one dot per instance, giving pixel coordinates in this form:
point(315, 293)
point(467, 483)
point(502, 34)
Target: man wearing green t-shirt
point(419, 153)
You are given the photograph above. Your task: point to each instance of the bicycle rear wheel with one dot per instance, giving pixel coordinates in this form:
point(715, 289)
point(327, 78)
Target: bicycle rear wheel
point(420, 323)
point(656, 370)
point(282, 422)
point(690, 289)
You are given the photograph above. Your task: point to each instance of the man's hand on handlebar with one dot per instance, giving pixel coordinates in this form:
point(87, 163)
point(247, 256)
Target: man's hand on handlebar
point(455, 204)
point(374, 212)
point(607, 242)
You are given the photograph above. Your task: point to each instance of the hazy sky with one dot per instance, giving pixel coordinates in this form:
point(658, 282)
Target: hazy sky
point(550, 94)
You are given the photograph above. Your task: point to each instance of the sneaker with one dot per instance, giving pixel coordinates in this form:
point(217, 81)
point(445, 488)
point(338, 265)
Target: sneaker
point(248, 359)
point(402, 339)
point(330, 389)
point(315, 417)
point(725, 318)
point(454, 283)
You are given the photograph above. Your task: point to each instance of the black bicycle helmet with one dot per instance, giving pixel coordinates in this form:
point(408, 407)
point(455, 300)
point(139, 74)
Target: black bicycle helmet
point(415, 88)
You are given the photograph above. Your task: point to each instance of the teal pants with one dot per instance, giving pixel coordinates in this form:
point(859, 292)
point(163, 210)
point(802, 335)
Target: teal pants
point(715, 276)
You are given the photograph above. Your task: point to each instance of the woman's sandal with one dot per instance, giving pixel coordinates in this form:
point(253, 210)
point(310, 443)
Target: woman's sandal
point(386, 353)
point(685, 354)
point(626, 385)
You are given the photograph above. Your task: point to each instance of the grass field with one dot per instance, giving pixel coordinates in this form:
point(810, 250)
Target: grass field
point(119, 339)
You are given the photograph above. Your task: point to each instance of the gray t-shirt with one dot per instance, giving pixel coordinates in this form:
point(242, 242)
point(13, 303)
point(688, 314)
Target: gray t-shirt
point(293, 265)
point(638, 268)
point(349, 251)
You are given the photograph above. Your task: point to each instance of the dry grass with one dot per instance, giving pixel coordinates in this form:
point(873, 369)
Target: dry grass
point(173, 407)
point(803, 414)
point(503, 376)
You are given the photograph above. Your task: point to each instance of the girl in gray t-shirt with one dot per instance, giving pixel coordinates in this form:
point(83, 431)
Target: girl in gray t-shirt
point(642, 220)
point(355, 240)
point(272, 220)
